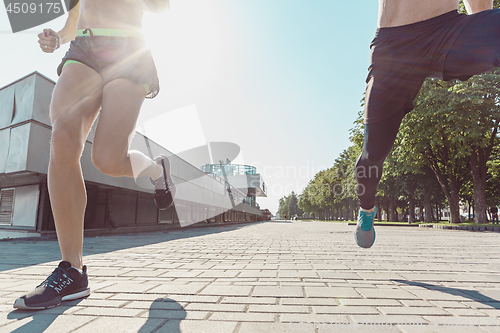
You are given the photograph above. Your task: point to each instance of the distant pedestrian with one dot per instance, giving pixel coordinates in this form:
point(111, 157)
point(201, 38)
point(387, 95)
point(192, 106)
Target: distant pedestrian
point(494, 214)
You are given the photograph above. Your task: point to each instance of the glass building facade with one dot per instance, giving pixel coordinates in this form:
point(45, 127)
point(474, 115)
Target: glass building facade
point(230, 169)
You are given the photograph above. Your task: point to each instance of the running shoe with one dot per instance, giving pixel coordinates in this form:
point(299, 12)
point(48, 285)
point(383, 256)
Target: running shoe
point(164, 186)
point(64, 284)
point(365, 232)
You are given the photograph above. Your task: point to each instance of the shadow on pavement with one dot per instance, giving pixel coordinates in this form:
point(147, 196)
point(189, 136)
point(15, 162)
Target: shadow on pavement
point(473, 295)
point(34, 252)
point(161, 309)
point(40, 320)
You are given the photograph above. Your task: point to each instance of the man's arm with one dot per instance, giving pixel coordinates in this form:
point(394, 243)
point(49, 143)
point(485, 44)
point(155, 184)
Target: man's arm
point(476, 6)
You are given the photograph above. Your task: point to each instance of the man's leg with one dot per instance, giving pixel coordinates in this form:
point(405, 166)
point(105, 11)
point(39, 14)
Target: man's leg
point(477, 48)
point(389, 96)
point(121, 103)
point(378, 141)
point(75, 104)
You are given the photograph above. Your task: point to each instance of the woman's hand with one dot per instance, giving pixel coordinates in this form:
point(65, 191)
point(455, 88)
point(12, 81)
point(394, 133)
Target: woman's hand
point(49, 40)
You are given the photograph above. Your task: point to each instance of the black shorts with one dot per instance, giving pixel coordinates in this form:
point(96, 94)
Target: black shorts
point(114, 57)
point(449, 46)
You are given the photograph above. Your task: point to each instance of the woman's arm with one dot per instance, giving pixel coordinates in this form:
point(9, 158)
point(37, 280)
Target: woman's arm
point(154, 5)
point(50, 40)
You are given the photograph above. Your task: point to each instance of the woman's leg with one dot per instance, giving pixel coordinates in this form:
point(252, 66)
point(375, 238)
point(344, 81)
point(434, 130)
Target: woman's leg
point(121, 102)
point(75, 104)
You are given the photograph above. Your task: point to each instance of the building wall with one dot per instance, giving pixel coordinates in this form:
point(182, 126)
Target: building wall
point(25, 134)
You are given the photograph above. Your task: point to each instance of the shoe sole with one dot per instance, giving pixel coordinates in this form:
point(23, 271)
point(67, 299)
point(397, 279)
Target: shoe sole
point(20, 305)
point(166, 174)
point(365, 247)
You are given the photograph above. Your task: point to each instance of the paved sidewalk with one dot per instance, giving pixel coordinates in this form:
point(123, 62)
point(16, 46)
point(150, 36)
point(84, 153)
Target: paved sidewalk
point(266, 277)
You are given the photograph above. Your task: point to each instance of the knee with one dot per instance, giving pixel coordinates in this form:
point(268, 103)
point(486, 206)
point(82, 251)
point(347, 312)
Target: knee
point(66, 144)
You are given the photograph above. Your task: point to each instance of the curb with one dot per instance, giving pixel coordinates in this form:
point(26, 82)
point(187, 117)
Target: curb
point(51, 235)
point(458, 227)
point(388, 224)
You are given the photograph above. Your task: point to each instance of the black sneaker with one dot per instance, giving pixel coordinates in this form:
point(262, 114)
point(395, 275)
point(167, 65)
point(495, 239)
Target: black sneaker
point(64, 284)
point(164, 186)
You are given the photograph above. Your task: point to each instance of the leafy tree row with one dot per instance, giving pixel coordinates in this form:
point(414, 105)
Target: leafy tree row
point(447, 151)
point(288, 206)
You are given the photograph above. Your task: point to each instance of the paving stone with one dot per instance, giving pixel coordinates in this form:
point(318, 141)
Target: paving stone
point(175, 314)
point(100, 303)
point(124, 325)
point(158, 304)
point(331, 292)
point(218, 274)
point(386, 293)
point(349, 310)
point(46, 323)
point(313, 318)
point(450, 304)
point(310, 301)
point(404, 310)
point(267, 291)
point(439, 329)
point(194, 298)
point(382, 320)
point(204, 326)
point(178, 273)
point(145, 273)
point(128, 287)
point(226, 290)
point(192, 288)
point(456, 322)
point(470, 312)
point(133, 297)
point(278, 308)
point(215, 307)
point(368, 302)
point(108, 312)
point(299, 274)
point(491, 312)
point(483, 305)
point(437, 295)
point(248, 300)
point(249, 327)
point(258, 274)
point(352, 327)
point(236, 316)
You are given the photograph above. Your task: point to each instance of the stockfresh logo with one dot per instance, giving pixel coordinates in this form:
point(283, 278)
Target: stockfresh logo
point(24, 15)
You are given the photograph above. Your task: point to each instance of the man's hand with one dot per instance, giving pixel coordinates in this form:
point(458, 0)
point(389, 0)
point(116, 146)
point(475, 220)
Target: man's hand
point(49, 40)
point(476, 6)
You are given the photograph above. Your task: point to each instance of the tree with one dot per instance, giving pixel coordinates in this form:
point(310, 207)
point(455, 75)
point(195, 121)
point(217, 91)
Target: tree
point(430, 133)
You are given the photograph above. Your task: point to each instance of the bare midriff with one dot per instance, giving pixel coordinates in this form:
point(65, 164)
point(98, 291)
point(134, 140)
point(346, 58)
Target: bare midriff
point(110, 14)
point(393, 13)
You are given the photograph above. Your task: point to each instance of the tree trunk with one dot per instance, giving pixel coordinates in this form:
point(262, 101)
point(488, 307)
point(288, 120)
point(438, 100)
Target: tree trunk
point(411, 206)
point(390, 212)
point(427, 205)
point(454, 202)
point(478, 169)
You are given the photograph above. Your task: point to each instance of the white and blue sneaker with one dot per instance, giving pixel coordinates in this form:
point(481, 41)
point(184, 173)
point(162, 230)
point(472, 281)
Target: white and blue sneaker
point(365, 232)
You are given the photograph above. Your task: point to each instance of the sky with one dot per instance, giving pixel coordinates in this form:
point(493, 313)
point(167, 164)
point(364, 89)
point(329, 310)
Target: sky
point(282, 79)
